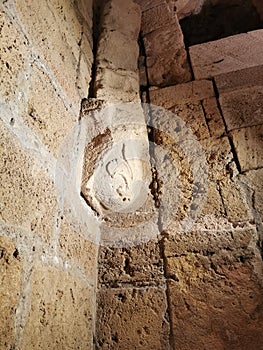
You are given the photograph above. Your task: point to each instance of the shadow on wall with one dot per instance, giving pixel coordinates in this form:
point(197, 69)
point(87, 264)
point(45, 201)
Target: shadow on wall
point(219, 19)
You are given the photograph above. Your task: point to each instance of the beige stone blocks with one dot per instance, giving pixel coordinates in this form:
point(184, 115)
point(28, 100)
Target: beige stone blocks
point(10, 289)
point(226, 55)
point(139, 265)
point(218, 297)
point(248, 143)
point(28, 196)
point(79, 251)
point(132, 318)
point(61, 311)
point(183, 93)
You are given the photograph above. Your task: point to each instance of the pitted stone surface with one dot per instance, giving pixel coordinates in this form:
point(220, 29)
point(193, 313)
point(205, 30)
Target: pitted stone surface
point(132, 318)
point(10, 289)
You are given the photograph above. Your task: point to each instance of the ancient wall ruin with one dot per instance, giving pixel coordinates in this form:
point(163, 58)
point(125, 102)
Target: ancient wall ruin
point(127, 225)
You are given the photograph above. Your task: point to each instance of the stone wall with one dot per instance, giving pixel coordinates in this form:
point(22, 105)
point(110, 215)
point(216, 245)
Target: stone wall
point(47, 265)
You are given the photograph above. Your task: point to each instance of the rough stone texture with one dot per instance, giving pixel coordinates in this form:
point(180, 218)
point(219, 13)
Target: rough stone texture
point(166, 56)
point(117, 76)
point(254, 180)
point(248, 143)
point(213, 117)
point(10, 285)
point(242, 108)
point(28, 196)
point(60, 49)
point(78, 250)
point(60, 314)
point(244, 78)
point(132, 318)
point(140, 265)
point(189, 92)
point(226, 55)
point(186, 8)
point(219, 297)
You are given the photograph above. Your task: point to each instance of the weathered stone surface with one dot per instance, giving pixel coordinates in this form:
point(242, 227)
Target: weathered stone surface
point(192, 114)
point(244, 78)
point(61, 311)
point(166, 56)
point(78, 250)
point(117, 86)
point(46, 112)
point(248, 143)
point(185, 8)
point(132, 318)
point(219, 297)
point(254, 180)
point(10, 284)
point(213, 117)
point(59, 49)
point(28, 197)
point(226, 55)
point(183, 93)
point(139, 265)
point(243, 107)
point(14, 59)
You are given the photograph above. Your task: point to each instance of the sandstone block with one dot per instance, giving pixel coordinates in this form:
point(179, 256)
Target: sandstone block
point(46, 113)
point(242, 108)
point(192, 114)
point(166, 56)
point(132, 318)
point(139, 265)
point(183, 93)
point(28, 196)
point(110, 56)
point(117, 86)
point(220, 298)
point(10, 285)
point(59, 49)
point(77, 250)
point(227, 55)
point(248, 143)
point(14, 60)
point(213, 117)
point(237, 80)
point(61, 312)
point(148, 4)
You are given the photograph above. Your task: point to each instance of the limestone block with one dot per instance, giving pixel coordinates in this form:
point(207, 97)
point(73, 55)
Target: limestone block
point(156, 18)
point(10, 284)
point(28, 196)
point(242, 108)
point(220, 298)
point(139, 265)
point(79, 251)
point(227, 55)
point(192, 114)
point(219, 157)
point(54, 30)
point(61, 312)
point(254, 180)
point(14, 60)
point(214, 237)
point(117, 86)
point(132, 318)
point(237, 80)
point(123, 17)
point(248, 143)
point(149, 4)
point(213, 203)
point(166, 56)
point(235, 200)
point(110, 55)
point(46, 113)
point(213, 117)
point(182, 93)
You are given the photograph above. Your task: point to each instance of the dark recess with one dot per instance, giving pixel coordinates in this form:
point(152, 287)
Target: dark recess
point(219, 21)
